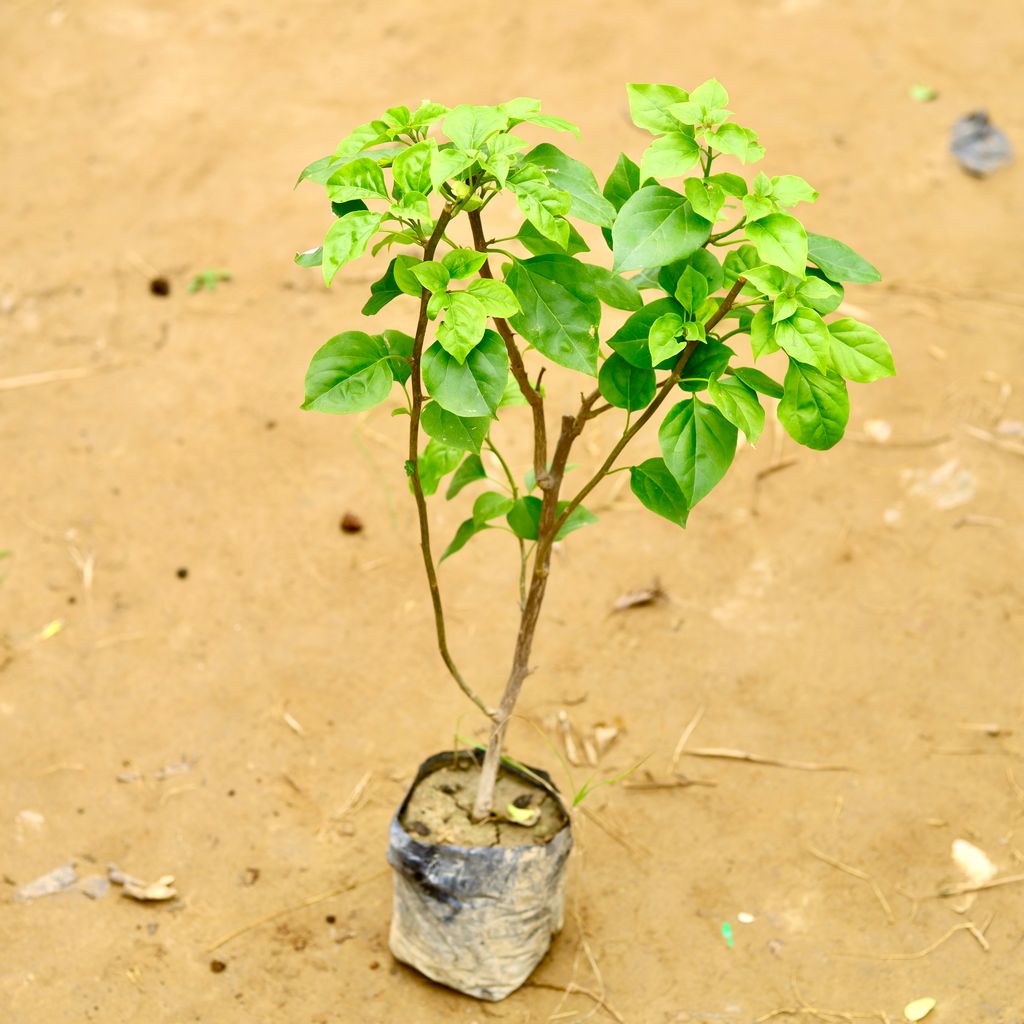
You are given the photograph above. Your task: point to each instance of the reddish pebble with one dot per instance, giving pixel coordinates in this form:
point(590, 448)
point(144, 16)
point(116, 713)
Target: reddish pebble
point(351, 523)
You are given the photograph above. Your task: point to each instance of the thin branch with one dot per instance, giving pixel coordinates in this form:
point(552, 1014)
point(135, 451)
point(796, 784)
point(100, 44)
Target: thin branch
point(417, 487)
point(530, 393)
point(648, 413)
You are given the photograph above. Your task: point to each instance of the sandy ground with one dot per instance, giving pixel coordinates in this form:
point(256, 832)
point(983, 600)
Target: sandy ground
point(826, 614)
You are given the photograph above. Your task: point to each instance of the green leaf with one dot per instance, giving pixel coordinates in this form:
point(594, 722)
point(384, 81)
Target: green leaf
point(622, 182)
point(350, 373)
point(559, 310)
point(465, 433)
point(437, 461)
point(427, 113)
point(411, 168)
point(762, 334)
point(838, 261)
point(469, 126)
point(340, 209)
point(820, 294)
point(614, 290)
point(781, 241)
point(648, 106)
point(691, 289)
point(805, 337)
point(347, 239)
point(708, 360)
point(525, 109)
point(788, 190)
point(739, 142)
point(382, 291)
point(657, 490)
point(625, 386)
point(463, 263)
point(542, 205)
point(490, 505)
point(404, 277)
point(703, 262)
point(472, 388)
point(310, 258)
point(470, 470)
point(706, 198)
point(433, 276)
point(733, 184)
point(631, 340)
point(360, 179)
point(738, 404)
point(698, 444)
point(859, 352)
point(446, 164)
point(534, 242)
point(783, 307)
point(669, 156)
point(656, 226)
point(495, 296)
point(569, 175)
point(664, 332)
point(758, 381)
point(400, 350)
point(512, 396)
point(711, 95)
point(524, 518)
point(464, 323)
point(370, 134)
point(738, 261)
point(815, 407)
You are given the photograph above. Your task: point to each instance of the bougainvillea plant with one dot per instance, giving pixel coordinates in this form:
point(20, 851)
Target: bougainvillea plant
point(708, 259)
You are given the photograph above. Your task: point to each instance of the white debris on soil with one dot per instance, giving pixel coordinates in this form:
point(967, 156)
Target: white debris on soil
point(893, 515)
point(95, 887)
point(949, 486)
point(161, 889)
point(169, 770)
point(58, 880)
point(973, 862)
point(879, 431)
point(744, 918)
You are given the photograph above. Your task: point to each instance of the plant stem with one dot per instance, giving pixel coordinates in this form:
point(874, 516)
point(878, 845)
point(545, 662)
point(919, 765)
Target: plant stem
point(515, 359)
point(522, 543)
point(417, 488)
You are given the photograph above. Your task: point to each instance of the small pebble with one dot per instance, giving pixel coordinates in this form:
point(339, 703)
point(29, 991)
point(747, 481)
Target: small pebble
point(351, 523)
point(218, 966)
point(182, 573)
point(160, 286)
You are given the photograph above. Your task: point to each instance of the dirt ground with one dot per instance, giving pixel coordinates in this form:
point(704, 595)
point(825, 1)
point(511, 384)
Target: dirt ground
point(829, 612)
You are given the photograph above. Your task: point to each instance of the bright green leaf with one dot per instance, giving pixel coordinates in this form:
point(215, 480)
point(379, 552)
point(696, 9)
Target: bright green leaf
point(436, 461)
point(360, 179)
point(347, 238)
point(648, 106)
point(698, 444)
point(839, 262)
point(738, 404)
point(859, 352)
point(411, 168)
point(657, 490)
point(669, 156)
point(466, 433)
point(705, 197)
point(470, 470)
point(625, 386)
point(781, 241)
point(758, 381)
point(805, 337)
point(569, 175)
point(350, 373)
point(663, 338)
point(464, 323)
point(469, 126)
point(762, 334)
point(433, 275)
point(631, 340)
point(788, 190)
point(310, 258)
point(534, 242)
point(613, 290)
point(495, 296)
point(654, 227)
point(463, 263)
point(815, 408)
point(472, 388)
point(739, 142)
point(707, 361)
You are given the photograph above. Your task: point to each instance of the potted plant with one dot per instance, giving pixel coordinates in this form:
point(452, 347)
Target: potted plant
point(479, 844)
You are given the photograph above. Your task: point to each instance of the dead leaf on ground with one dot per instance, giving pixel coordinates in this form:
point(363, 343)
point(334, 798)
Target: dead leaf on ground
point(145, 892)
point(639, 598)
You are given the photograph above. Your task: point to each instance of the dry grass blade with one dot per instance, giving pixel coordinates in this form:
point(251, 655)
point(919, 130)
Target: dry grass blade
point(958, 890)
point(804, 1008)
point(857, 873)
point(28, 380)
point(978, 934)
point(728, 754)
point(310, 902)
point(685, 737)
point(573, 989)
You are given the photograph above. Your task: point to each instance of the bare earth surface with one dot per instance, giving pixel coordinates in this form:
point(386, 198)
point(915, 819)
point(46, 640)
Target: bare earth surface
point(824, 613)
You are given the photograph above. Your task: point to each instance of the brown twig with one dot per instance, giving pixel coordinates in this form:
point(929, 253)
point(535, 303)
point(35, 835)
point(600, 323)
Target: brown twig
point(728, 754)
point(857, 873)
point(978, 934)
point(417, 487)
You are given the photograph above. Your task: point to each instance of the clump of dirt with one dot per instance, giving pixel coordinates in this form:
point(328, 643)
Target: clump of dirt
point(440, 806)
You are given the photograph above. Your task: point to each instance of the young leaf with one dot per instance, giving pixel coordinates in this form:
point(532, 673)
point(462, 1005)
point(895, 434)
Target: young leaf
point(762, 334)
point(805, 337)
point(426, 114)
point(815, 407)
point(669, 156)
point(433, 276)
point(347, 239)
point(784, 307)
point(738, 404)
point(495, 296)
point(691, 289)
point(544, 207)
point(781, 241)
point(706, 198)
point(698, 444)
point(360, 179)
point(464, 323)
point(733, 184)
point(559, 309)
point(446, 164)
point(648, 106)
point(656, 226)
point(469, 126)
point(631, 340)
point(466, 433)
point(310, 258)
point(436, 461)
point(740, 142)
point(569, 175)
point(472, 388)
point(625, 386)
point(470, 470)
point(821, 295)
point(768, 281)
point(463, 263)
point(382, 292)
point(838, 261)
point(404, 277)
point(657, 490)
point(621, 184)
point(350, 373)
point(663, 338)
point(525, 109)
point(859, 352)
point(613, 290)
point(411, 168)
point(758, 381)
point(490, 505)
point(788, 190)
